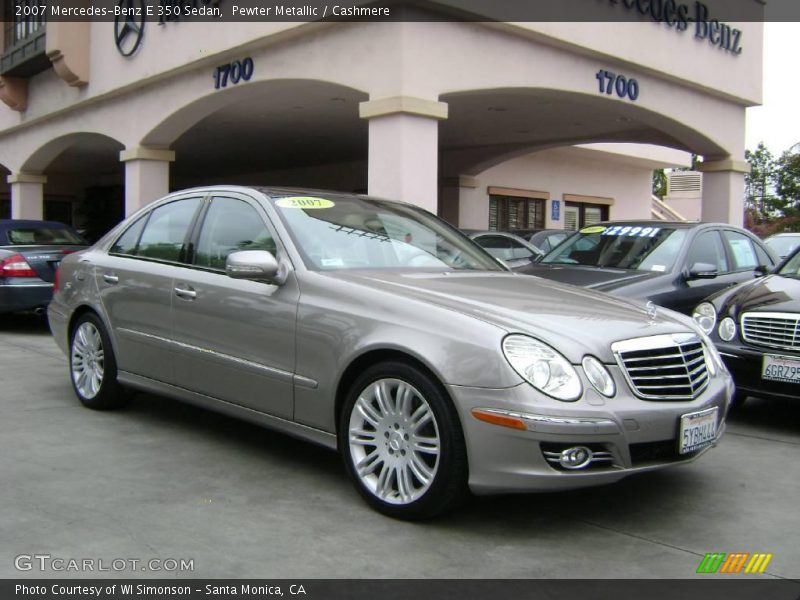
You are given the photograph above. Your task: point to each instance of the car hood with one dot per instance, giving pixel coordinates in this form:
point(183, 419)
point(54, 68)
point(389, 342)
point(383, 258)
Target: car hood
point(596, 278)
point(773, 293)
point(575, 320)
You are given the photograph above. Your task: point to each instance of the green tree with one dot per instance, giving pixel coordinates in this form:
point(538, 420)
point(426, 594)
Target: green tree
point(787, 182)
point(660, 183)
point(760, 197)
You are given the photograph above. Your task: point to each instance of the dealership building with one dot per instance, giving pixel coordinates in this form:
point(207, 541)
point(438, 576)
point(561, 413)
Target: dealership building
point(489, 124)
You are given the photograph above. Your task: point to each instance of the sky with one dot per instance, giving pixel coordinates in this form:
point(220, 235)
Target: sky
point(777, 121)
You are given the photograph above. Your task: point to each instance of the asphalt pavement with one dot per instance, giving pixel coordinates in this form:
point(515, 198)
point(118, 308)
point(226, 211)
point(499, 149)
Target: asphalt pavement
point(167, 481)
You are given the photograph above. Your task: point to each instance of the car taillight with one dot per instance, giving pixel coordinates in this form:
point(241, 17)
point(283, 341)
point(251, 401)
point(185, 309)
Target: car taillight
point(16, 266)
point(57, 279)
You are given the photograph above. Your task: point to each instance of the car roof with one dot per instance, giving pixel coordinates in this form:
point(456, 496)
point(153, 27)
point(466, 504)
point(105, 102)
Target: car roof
point(9, 223)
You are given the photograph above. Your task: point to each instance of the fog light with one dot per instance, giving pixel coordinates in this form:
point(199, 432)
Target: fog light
point(575, 458)
point(727, 329)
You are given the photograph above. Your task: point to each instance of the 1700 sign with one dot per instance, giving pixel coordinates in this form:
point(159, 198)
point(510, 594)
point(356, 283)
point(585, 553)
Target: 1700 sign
point(611, 83)
point(233, 73)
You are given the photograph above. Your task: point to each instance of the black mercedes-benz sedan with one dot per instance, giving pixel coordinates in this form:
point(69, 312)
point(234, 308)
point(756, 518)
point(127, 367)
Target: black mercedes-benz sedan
point(30, 252)
point(673, 264)
point(756, 327)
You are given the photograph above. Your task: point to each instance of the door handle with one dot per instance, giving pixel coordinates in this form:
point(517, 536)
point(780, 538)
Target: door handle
point(186, 293)
point(110, 278)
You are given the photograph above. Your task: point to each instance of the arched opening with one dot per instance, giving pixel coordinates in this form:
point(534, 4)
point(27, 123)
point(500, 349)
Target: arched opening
point(85, 181)
point(287, 132)
point(5, 193)
point(534, 141)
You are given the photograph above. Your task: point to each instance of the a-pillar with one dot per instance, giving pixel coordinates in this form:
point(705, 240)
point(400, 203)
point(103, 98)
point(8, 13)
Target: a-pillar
point(404, 148)
point(146, 176)
point(723, 190)
point(27, 196)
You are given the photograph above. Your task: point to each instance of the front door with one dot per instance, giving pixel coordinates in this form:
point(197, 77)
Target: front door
point(234, 339)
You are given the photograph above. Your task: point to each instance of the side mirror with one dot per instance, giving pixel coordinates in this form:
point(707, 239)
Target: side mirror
point(762, 270)
point(255, 265)
point(702, 271)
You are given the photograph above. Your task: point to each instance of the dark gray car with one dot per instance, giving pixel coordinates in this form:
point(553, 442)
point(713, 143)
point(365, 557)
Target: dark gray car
point(674, 265)
point(376, 328)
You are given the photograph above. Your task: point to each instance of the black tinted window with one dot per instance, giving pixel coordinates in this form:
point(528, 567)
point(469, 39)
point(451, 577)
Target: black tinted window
point(707, 248)
point(231, 225)
point(164, 234)
point(126, 243)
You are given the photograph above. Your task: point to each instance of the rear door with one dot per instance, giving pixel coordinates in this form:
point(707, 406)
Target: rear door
point(235, 339)
point(135, 281)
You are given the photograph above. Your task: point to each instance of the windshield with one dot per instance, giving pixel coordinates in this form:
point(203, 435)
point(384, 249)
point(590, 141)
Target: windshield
point(43, 236)
point(792, 266)
point(639, 247)
point(783, 245)
point(349, 232)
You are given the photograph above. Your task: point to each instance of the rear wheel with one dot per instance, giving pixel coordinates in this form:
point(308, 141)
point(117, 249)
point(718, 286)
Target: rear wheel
point(92, 365)
point(402, 442)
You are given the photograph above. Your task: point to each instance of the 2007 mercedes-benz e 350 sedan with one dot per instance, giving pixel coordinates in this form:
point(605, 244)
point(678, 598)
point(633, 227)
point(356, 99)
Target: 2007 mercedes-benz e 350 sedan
point(376, 328)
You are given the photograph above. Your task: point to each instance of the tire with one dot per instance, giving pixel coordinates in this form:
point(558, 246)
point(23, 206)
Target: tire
point(402, 443)
point(92, 365)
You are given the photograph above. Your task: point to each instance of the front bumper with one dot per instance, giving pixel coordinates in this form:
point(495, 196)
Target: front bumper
point(745, 364)
point(16, 297)
point(635, 435)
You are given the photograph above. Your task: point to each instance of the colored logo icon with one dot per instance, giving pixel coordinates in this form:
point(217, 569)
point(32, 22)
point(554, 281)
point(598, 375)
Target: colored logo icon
point(736, 562)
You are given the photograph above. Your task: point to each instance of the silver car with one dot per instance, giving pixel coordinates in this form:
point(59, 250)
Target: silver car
point(376, 328)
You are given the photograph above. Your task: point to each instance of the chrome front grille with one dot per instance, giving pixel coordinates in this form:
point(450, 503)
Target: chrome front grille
point(777, 330)
point(664, 367)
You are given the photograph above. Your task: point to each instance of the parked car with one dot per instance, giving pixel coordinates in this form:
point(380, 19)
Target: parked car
point(376, 328)
point(755, 327)
point(510, 248)
point(675, 265)
point(547, 239)
point(783, 244)
point(29, 254)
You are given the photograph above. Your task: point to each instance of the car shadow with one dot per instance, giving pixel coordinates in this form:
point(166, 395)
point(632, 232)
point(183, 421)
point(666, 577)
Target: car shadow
point(24, 323)
point(776, 415)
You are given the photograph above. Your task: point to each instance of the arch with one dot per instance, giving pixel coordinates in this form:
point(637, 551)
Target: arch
point(504, 123)
point(283, 93)
point(41, 158)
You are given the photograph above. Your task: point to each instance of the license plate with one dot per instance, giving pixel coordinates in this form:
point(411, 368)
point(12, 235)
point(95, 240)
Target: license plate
point(698, 430)
point(780, 368)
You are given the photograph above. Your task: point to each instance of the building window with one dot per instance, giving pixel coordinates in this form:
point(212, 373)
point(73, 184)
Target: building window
point(19, 28)
point(580, 211)
point(511, 209)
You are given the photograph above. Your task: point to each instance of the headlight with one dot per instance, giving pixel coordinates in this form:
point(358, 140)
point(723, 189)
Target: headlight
point(727, 329)
point(542, 367)
point(598, 376)
point(705, 315)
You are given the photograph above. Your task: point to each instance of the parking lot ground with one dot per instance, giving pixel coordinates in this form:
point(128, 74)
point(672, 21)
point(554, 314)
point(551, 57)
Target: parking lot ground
point(162, 480)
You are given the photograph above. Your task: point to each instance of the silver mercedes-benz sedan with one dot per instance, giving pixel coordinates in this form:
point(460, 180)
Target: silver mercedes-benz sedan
point(376, 328)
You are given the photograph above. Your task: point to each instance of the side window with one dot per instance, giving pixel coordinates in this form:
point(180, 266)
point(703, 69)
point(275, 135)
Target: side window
point(496, 245)
point(763, 258)
point(742, 250)
point(519, 251)
point(126, 243)
point(707, 248)
point(231, 225)
point(165, 232)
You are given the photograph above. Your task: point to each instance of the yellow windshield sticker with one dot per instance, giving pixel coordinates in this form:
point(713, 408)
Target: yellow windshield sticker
point(304, 202)
point(595, 229)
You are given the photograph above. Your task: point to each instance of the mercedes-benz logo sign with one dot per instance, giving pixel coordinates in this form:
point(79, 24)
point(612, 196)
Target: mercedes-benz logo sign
point(129, 26)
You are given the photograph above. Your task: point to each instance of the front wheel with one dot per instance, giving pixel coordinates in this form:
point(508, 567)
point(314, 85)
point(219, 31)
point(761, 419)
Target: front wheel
point(92, 365)
point(402, 443)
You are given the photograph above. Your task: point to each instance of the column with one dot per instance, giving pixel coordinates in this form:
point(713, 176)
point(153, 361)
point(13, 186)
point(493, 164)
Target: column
point(404, 149)
point(146, 176)
point(723, 190)
point(27, 196)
